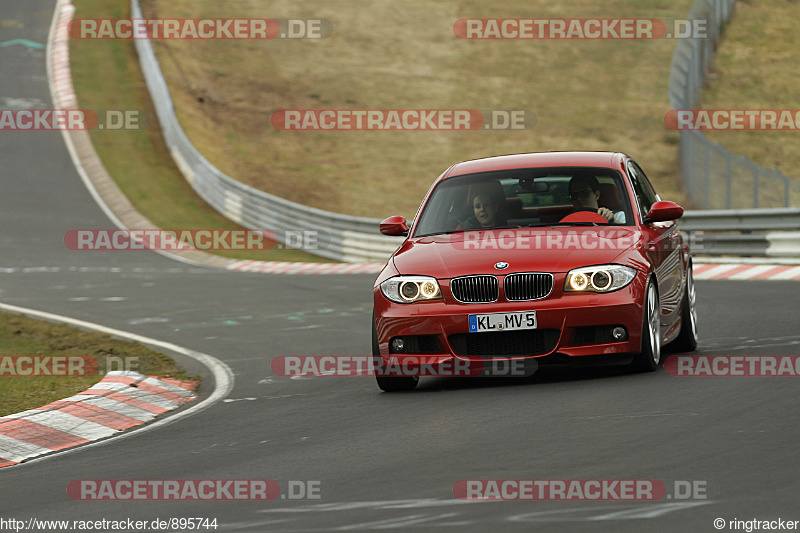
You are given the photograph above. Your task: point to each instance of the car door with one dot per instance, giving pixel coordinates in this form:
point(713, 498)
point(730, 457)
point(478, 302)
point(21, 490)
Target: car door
point(662, 241)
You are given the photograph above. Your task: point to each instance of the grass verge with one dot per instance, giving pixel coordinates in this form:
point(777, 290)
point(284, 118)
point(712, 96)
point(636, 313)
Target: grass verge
point(23, 336)
point(756, 68)
point(107, 76)
point(587, 94)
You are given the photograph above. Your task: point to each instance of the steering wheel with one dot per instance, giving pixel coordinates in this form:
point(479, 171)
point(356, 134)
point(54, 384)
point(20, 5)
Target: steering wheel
point(585, 214)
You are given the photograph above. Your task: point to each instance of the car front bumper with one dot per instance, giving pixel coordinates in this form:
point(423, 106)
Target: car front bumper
point(569, 326)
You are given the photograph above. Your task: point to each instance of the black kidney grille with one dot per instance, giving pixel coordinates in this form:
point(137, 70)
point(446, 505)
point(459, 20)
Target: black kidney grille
point(475, 289)
point(527, 286)
point(505, 343)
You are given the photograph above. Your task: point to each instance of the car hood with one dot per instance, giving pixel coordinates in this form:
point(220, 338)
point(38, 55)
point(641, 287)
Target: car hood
point(551, 249)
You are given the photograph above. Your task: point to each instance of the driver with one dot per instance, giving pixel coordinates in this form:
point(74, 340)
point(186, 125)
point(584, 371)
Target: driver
point(584, 191)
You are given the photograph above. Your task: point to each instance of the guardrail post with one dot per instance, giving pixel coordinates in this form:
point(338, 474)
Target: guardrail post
point(755, 186)
point(729, 180)
point(786, 187)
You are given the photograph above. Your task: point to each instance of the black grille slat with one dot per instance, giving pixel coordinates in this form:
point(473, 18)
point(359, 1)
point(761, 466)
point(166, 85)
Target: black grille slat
point(527, 286)
point(475, 289)
point(505, 343)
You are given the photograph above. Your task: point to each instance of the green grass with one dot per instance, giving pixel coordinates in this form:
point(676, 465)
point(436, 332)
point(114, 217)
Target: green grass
point(587, 95)
point(756, 68)
point(106, 75)
point(595, 95)
point(23, 336)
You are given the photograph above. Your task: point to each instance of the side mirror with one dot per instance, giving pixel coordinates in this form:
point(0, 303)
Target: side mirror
point(663, 211)
point(395, 226)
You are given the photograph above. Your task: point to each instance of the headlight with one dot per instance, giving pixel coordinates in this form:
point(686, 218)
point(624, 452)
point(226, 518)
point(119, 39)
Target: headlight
point(408, 289)
point(603, 278)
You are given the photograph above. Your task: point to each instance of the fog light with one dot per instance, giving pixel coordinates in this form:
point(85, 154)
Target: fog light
point(618, 333)
point(398, 345)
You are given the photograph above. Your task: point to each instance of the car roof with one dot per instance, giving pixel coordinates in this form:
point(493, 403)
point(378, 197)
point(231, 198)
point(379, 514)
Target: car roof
point(540, 159)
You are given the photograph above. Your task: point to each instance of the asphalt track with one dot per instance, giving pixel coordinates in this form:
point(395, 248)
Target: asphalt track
point(384, 461)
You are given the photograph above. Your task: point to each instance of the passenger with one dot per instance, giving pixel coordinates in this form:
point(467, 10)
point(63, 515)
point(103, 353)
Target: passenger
point(487, 212)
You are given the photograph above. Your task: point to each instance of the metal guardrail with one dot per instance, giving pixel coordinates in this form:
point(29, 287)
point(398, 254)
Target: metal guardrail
point(744, 232)
point(714, 177)
point(745, 220)
point(356, 239)
point(343, 237)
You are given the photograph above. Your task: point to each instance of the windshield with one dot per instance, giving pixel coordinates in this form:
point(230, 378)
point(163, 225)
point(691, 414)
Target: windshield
point(522, 198)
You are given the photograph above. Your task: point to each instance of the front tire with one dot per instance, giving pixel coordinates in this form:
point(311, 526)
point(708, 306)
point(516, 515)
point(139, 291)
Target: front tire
point(389, 383)
point(648, 359)
point(686, 341)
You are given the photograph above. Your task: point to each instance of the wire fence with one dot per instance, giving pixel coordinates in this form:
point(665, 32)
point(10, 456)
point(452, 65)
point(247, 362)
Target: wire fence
point(714, 177)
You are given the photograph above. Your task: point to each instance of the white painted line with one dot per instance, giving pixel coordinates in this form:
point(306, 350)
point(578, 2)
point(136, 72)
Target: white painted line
point(69, 101)
point(222, 374)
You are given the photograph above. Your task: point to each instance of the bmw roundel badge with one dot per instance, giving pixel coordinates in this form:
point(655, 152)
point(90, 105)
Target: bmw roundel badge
point(502, 265)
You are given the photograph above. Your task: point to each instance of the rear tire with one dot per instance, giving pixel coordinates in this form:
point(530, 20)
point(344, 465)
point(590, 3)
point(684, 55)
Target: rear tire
point(649, 358)
point(686, 341)
point(389, 383)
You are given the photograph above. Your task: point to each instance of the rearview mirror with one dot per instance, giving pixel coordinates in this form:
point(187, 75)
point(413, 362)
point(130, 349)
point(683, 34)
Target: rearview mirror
point(663, 211)
point(531, 185)
point(395, 226)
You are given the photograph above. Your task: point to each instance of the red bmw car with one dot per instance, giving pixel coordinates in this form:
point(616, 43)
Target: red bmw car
point(543, 257)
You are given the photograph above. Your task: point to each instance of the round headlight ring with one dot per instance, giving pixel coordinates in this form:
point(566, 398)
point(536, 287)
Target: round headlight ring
point(409, 291)
point(578, 281)
point(429, 289)
point(602, 280)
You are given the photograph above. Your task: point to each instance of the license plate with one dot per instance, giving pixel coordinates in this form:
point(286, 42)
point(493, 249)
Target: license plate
point(502, 321)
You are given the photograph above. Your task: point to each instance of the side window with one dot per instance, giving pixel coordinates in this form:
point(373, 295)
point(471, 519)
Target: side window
point(645, 194)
